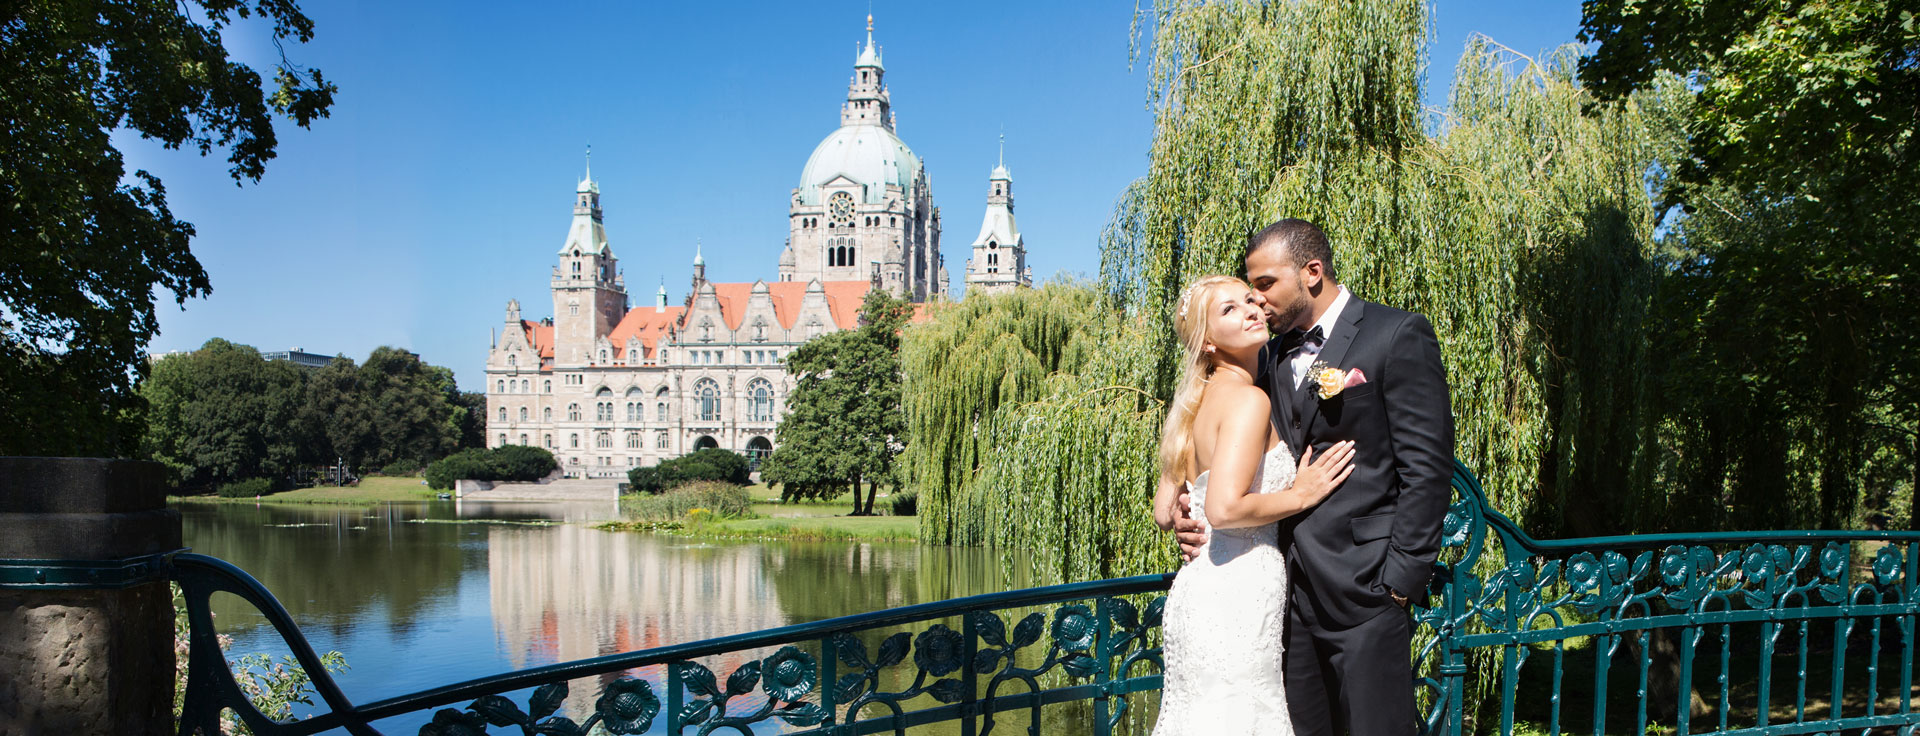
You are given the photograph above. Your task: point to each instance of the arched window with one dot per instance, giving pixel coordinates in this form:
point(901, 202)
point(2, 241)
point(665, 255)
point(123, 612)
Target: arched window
point(573, 414)
point(523, 438)
point(705, 442)
point(604, 391)
point(761, 392)
point(603, 440)
point(758, 449)
point(513, 360)
point(547, 385)
point(633, 440)
point(576, 267)
point(549, 439)
point(526, 387)
point(503, 440)
point(660, 440)
point(503, 413)
point(546, 414)
point(660, 412)
point(574, 439)
point(523, 416)
point(499, 387)
point(707, 393)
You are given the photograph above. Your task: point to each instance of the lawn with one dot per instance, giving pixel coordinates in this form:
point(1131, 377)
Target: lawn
point(370, 491)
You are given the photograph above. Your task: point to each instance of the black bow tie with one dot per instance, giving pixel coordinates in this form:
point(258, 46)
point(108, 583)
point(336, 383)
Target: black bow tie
point(1296, 338)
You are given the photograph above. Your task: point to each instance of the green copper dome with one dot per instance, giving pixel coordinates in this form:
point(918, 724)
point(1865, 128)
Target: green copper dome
point(868, 154)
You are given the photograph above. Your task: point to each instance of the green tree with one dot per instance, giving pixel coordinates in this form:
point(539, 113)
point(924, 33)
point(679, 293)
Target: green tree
point(393, 407)
point(844, 424)
point(86, 244)
point(222, 414)
point(1790, 256)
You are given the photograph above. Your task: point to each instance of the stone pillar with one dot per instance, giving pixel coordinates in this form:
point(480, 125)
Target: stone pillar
point(84, 650)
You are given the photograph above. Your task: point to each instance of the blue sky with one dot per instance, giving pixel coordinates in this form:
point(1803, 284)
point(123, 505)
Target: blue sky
point(441, 186)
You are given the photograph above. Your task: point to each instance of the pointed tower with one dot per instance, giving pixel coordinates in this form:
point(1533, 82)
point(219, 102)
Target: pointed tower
point(589, 294)
point(864, 205)
point(999, 259)
point(867, 102)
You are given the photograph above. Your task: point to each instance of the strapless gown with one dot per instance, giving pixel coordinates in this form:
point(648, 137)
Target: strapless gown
point(1222, 630)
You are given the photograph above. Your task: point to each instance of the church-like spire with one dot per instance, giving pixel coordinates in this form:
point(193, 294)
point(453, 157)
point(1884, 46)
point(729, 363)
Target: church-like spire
point(867, 100)
point(587, 235)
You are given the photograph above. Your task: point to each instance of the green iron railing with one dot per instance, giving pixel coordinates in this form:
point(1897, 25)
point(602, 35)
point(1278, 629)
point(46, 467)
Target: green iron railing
point(1599, 635)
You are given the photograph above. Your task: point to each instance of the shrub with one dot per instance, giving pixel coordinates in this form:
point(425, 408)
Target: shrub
point(904, 503)
point(723, 500)
point(708, 464)
point(401, 467)
point(248, 488)
point(510, 462)
point(521, 462)
point(645, 480)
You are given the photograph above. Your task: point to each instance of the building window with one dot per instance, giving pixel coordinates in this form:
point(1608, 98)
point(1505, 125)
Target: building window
point(547, 385)
point(523, 416)
point(660, 412)
point(762, 394)
point(526, 387)
point(576, 267)
point(499, 387)
point(546, 414)
point(503, 413)
point(573, 412)
point(503, 440)
point(523, 438)
point(633, 440)
point(708, 394)
point(573, 440)
point(660, 440)
point(603, 440)
point(549, 438)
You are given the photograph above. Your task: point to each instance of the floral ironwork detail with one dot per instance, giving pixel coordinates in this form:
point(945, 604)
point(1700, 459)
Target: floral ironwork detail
point(938, 650)
point(627, 706)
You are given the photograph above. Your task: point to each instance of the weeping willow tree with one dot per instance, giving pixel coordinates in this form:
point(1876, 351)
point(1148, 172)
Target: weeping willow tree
point(1520, 224)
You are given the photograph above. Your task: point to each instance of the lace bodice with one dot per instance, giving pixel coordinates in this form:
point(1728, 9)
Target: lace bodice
point(1223, 626)
point(1275, 474)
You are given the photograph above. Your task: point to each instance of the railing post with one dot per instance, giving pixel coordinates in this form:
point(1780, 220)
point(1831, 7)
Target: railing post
point(84, 605)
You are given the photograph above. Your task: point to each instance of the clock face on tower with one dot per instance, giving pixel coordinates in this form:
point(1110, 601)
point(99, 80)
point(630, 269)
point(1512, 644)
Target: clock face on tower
point(840, 209)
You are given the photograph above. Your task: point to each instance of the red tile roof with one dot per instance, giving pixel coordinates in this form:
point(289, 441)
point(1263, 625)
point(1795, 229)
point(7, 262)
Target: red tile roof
point(650, 324)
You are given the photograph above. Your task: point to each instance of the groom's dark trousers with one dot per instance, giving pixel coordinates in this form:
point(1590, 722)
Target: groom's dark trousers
point(1348, 644)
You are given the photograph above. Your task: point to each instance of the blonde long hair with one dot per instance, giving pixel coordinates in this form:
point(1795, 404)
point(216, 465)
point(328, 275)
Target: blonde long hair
point(1190, 327)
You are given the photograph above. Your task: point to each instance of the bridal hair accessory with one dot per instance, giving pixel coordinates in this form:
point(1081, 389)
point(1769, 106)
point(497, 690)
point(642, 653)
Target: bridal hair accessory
point(1185, 297)
point(1330, 381)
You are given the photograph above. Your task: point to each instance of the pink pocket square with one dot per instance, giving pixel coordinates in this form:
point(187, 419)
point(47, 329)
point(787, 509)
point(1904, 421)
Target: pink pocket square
point(1354, 378)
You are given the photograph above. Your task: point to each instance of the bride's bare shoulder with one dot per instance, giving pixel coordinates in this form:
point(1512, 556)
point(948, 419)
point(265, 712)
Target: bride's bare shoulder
point(1233, 400)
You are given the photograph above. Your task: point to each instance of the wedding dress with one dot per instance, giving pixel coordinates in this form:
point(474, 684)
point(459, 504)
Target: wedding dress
point(1223, 623)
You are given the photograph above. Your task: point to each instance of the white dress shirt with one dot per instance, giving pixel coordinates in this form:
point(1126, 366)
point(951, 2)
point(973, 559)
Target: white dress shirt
point(1303, 356)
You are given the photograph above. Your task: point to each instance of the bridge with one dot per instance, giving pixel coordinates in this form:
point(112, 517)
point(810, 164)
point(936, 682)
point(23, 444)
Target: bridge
point(1773, 632)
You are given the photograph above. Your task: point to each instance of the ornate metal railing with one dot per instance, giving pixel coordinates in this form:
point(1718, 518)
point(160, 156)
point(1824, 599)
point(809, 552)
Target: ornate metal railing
point(1633, 613)
point(1607, 615)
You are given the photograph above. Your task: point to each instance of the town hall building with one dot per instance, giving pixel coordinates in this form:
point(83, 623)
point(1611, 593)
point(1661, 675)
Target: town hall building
point(608, 386)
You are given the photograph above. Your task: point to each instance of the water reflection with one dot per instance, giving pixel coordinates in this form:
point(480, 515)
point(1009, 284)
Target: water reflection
point(419, 595)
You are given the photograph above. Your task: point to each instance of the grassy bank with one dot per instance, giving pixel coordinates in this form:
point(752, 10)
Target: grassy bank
point(836, 528)
point(370, 491)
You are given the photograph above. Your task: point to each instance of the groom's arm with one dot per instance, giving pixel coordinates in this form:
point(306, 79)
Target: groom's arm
point(1420, 419)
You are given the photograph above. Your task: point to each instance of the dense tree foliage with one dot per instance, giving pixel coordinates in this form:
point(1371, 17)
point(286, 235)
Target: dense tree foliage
point(844, 424)
point(708, 464)
point(1791, 254)
point(222, 413)
point(85, 243)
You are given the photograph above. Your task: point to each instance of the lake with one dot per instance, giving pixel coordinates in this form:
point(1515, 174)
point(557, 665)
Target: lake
point(426, 594)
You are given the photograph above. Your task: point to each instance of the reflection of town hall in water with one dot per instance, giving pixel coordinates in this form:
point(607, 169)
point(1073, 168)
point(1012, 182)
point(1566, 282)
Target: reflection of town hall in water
point(608, 387)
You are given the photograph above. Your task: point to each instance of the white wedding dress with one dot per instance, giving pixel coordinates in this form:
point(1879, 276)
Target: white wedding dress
point(1223, 622)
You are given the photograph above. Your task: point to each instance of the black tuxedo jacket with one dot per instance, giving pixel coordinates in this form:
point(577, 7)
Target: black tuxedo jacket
point(1381, 528)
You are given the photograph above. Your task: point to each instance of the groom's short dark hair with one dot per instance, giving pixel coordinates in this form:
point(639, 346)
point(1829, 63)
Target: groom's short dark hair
point(1302, 241)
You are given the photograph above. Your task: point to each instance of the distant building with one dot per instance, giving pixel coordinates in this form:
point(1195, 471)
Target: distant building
point(298, 357)
point(608, 386)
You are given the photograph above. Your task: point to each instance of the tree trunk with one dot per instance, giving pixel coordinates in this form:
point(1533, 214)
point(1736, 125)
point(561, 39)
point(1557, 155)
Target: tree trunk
point(873, 489)
point(856, 496)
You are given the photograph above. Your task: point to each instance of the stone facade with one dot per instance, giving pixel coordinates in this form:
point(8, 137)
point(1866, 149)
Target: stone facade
point(608, 386)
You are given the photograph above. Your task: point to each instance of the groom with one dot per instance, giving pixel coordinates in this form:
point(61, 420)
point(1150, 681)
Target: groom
point(1358, 559)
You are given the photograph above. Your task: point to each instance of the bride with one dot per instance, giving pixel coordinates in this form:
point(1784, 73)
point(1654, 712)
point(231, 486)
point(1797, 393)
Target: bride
point(1222, 630)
